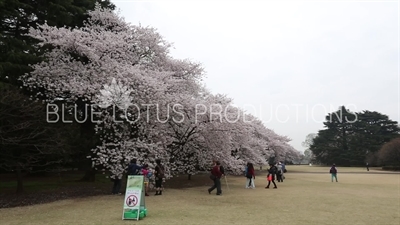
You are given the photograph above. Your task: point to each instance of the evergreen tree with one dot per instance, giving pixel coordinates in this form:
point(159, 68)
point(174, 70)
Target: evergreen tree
point(372, 130)
point(350, 137)
point(17, 50)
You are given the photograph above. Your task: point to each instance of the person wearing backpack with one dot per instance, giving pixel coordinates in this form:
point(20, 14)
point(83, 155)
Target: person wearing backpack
point(250, 175)
point(333, 172)
point(159, 173)
point(216, 175)
point(221, 168)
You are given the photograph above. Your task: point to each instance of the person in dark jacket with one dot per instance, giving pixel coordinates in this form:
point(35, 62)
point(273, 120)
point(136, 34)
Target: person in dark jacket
point(159, 173)
point(250, 175)
point(221, 168)
point(133, 168)
point(216, 175)
point(117, 182)
point(333, 172)
point(272, 172)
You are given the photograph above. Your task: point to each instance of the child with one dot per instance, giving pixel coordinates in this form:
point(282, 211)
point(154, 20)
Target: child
point(146, 173)
point(333, 172)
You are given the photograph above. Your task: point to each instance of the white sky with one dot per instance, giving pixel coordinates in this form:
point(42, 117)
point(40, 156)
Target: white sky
point(289, 63)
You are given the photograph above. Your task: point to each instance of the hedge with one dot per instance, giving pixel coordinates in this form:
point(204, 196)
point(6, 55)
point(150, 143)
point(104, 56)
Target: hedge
point(393, 168)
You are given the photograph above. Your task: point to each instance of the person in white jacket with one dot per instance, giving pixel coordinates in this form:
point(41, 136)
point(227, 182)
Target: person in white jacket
point(279, 172)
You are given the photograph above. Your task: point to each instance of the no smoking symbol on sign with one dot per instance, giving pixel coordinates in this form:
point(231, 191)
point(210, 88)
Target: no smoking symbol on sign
point(131, 200)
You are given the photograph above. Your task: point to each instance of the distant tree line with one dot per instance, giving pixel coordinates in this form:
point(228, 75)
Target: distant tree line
point(354, 139)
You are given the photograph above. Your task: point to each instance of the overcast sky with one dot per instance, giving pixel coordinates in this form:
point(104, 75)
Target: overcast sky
point(289, 63)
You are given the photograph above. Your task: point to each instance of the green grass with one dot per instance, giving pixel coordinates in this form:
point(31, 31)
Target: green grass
point(303, 199)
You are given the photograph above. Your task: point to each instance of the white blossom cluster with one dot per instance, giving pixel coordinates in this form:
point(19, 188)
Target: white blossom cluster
point(110, 62)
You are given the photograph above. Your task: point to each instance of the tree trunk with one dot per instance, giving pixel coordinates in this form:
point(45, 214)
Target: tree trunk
point(20, 187)
point(87, 133)
point(189, 176)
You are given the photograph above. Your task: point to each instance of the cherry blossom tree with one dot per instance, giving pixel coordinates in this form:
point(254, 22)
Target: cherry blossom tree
point(109, 63)
point(144, 103)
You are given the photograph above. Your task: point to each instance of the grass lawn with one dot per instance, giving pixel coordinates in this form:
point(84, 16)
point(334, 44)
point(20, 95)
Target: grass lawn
point(324, 169)
point(302, 199)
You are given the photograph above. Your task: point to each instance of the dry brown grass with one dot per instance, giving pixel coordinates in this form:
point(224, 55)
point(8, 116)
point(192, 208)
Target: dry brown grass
point(306, 168)
point(303, 199)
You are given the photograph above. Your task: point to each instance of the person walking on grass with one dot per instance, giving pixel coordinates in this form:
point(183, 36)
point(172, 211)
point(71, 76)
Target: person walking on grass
point(284, 170)
point(279, 172)
point(250, 175)
point(216, 175)
point(271, 175)
point(333, 172)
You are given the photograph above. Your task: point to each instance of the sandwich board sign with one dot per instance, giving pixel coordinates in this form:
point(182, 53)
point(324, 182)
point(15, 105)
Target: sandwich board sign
point(134, 203)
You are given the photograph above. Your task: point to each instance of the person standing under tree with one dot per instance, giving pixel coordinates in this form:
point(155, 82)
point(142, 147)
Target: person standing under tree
point(145, 172)
point(271, 175)
point(133, 168)
point(279, 172)
point(284, 170)
point(333, 172)
point(159, 173)
point(250, 176)
point(367, 166)
point(116, 185)
point(246, 169)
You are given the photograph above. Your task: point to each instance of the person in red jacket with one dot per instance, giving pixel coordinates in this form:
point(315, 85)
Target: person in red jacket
point(216, 175)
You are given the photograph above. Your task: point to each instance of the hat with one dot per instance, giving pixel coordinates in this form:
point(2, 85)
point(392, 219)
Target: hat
point(279, 163)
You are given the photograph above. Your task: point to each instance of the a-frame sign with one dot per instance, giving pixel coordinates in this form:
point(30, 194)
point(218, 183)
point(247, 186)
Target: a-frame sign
point(134, 201)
